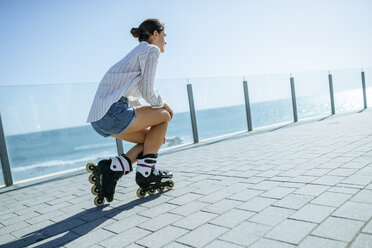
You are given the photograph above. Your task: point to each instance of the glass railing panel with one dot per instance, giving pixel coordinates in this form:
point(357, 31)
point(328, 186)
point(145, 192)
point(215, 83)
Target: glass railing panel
point(368, 80)
point(312, 94)
point(219, 105)
point(270, 97)
point(174, 93)
point(45, 129)
point(348, 92)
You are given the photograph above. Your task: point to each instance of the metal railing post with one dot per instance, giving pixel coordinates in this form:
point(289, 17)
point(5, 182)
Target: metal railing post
point(294, 104)
point(7, 174)
point(192, 114)
point(331, 93)
point(364, 90)
point(247, 105)
point(119, 146)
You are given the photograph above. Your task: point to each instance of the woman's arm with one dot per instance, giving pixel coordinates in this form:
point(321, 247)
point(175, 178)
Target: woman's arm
point(136, 103)
point(148, 91)
point(166, 106)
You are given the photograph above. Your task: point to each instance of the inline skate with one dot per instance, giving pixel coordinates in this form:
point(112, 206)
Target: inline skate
point(150, 179)
point(105, 175)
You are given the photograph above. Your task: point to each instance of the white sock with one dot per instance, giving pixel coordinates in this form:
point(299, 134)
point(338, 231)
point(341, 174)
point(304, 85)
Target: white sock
point(146, 164)
point(121, 163)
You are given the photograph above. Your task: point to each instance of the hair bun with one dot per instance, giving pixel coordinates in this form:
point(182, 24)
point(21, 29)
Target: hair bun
point(136, 32)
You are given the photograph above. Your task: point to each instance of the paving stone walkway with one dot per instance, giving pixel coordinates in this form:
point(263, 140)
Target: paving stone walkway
point(306, 185)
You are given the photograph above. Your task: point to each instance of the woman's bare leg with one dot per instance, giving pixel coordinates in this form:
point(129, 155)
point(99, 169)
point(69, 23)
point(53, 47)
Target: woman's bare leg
point(132, 154)
point(134, 137)
point(155, 138)
point(155, 119)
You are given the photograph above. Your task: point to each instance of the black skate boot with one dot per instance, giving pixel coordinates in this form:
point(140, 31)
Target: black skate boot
point(150, 179)
point(105, 176)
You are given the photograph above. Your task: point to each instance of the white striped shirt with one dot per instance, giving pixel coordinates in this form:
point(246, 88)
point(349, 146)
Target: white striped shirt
point(132, 77)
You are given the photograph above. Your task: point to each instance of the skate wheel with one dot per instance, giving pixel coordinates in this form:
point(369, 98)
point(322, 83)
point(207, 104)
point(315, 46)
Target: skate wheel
point(171, 185)
point(151, 191)
point(90, 167)
point(94, 190)
point(99, 202)
point(161, 189)
point(92, 179)
point(141, 193)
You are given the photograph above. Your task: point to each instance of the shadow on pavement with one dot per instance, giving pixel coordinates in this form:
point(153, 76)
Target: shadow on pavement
point(86, 221)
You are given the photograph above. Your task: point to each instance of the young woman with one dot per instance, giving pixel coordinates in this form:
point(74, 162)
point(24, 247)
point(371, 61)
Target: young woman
point(117, 112)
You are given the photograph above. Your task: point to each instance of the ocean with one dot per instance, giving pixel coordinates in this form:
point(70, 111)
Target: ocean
point(42, 153)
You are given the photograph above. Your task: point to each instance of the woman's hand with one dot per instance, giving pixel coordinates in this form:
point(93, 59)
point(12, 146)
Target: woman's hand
point(168, 109)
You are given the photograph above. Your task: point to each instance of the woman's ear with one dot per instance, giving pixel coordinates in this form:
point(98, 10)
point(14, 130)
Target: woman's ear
point(155, 34)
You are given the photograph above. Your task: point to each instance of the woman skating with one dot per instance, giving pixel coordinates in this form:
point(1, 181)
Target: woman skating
point(117, 112)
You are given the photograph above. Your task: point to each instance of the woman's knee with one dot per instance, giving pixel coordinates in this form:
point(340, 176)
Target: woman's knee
point(166, 116)
point(146, 131)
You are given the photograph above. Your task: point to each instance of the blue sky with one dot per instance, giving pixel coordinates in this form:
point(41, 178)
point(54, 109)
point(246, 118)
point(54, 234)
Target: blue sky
point(71, 41)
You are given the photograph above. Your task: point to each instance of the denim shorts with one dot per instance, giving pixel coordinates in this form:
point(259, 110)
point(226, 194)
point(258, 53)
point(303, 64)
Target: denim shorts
point(117, 119)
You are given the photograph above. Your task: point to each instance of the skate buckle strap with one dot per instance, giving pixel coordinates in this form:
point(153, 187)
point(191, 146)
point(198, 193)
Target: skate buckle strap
point(147, 166)
point(161, 172)
point(122, 166)
point(165, 172)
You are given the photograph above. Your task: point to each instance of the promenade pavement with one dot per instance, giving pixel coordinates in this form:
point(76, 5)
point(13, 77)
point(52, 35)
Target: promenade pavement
point(306, 185)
